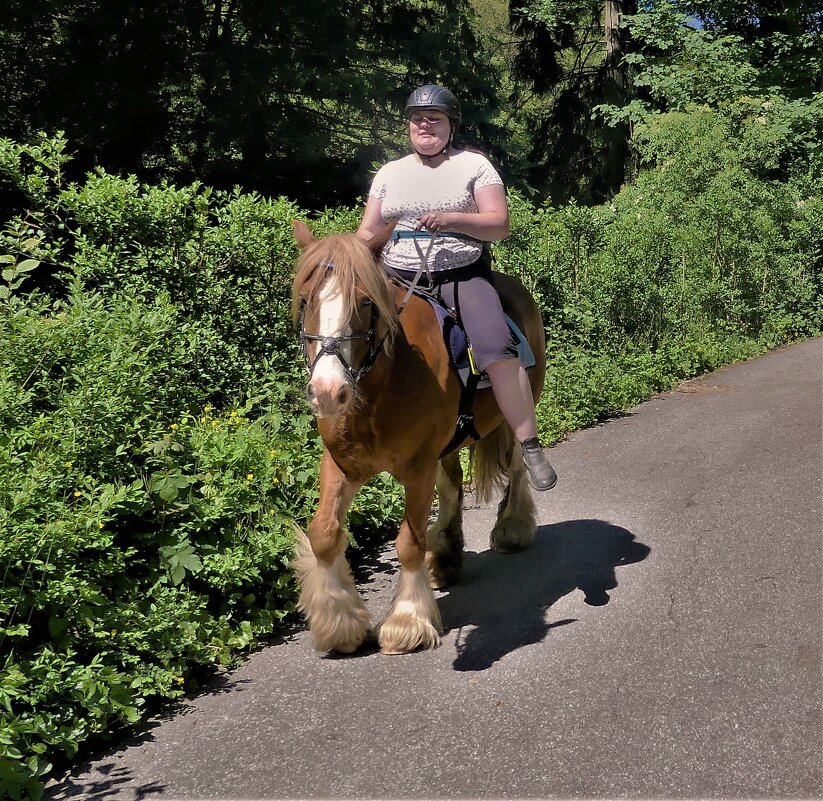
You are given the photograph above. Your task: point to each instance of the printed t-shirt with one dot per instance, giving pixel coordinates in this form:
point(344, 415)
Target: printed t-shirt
point(408, 189)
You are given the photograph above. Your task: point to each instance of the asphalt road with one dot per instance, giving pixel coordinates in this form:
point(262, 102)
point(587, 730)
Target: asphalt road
point(660, 640)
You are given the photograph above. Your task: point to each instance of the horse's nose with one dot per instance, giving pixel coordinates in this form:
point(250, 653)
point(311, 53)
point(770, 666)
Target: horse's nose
point(343, 395)
point(328, 400)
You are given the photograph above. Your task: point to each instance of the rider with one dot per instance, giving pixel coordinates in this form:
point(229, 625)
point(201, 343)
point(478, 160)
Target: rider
point(457, 197)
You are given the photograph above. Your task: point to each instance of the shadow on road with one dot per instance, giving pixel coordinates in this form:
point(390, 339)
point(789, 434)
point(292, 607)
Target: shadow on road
point(503, 599)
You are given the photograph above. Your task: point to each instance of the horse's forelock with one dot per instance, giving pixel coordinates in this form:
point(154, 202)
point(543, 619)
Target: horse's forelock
point(357, 275)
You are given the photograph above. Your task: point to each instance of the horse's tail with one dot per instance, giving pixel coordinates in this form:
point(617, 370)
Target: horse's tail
point(490, 458)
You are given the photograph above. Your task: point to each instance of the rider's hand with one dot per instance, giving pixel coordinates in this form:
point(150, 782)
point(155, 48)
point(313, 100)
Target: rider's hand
point(434, 221)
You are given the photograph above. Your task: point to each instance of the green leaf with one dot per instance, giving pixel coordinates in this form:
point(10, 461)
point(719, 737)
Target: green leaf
point(168, 485)
point(27, 266)
point(57, 626)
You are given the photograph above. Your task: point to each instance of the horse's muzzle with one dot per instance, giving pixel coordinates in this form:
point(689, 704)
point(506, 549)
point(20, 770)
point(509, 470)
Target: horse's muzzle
point(329, 400)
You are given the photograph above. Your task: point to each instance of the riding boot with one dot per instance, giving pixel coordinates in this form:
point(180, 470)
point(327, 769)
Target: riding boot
point(541, 473)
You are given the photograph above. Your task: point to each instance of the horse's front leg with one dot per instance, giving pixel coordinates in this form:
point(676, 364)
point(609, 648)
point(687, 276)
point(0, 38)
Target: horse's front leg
point(444, 556)
point(337, 617)
point(414, 619)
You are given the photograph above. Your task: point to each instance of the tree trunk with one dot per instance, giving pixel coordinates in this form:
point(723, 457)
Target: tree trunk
point(615, 145)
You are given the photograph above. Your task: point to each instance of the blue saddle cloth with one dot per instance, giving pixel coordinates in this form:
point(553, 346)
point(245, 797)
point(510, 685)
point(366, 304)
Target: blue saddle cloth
point(457, 343)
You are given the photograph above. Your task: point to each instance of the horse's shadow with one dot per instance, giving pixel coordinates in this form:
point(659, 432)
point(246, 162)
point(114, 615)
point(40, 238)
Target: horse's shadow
point(502, 599)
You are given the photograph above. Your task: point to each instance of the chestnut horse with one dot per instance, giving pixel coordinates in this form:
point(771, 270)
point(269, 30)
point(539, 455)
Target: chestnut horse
point(386, 399)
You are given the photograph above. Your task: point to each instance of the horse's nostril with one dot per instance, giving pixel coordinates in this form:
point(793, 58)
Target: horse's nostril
point(310, 393)
point(343, 395)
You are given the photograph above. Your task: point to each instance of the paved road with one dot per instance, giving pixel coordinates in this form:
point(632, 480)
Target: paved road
point(660, 640)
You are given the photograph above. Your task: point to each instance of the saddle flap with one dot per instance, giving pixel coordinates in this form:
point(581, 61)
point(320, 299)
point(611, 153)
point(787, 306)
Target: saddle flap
point(457, 343)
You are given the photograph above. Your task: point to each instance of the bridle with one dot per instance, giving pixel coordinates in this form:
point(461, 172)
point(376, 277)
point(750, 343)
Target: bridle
point(330, 345)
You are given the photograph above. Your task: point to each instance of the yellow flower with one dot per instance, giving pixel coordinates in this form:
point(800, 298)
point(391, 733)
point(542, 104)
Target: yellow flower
point(249, 476)
point(179, 679)
point(68, 464)
point(275, 480)
point(99, 525)
point(77, 493)
point(173, 426)
point(113, 632)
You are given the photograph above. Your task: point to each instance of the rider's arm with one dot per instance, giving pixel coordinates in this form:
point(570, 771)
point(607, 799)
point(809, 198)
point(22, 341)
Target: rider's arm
point(490, 223)
point(373, 226)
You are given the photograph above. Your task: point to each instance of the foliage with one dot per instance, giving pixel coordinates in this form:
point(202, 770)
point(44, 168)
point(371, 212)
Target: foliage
point(784, 39)
point(275, 95)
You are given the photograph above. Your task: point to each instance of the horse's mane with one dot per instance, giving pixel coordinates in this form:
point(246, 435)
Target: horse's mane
point(358, 275)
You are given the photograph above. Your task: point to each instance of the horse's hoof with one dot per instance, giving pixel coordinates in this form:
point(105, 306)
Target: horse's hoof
point(511, 536)
point(405, 633)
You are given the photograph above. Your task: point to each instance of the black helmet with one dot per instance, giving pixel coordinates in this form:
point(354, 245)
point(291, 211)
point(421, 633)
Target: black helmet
point(433, 96)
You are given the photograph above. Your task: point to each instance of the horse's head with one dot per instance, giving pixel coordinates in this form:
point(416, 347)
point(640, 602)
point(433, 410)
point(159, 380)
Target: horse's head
point(345, 307)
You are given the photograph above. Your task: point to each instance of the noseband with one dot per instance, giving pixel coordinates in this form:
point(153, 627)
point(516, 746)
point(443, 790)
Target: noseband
point(331, 345)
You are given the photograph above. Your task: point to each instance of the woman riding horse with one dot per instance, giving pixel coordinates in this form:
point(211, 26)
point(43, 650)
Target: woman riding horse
point(386, 398)
point(458, 197)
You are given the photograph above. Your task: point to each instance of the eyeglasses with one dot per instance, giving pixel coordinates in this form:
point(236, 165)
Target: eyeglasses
point(418, 118)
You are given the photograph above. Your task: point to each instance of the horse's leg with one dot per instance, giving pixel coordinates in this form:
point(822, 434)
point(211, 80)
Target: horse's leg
point(499, 456)
point(516, 514)
point(337, 617)
point(414, 619)
point(444, 539)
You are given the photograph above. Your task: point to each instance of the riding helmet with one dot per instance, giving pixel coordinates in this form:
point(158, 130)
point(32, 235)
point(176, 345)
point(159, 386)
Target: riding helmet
point(433, 96)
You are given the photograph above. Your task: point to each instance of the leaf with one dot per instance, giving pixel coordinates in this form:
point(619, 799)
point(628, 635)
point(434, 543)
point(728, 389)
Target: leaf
point(7, 259)
point(57, 626)
point(28, 265)
point(178, 559)
point(168, 485)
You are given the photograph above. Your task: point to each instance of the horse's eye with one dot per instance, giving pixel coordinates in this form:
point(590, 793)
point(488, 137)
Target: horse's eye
point(365, 303)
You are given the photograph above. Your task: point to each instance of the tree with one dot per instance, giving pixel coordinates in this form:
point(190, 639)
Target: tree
point(785, 38)
point(569, 58)
point(293, 97)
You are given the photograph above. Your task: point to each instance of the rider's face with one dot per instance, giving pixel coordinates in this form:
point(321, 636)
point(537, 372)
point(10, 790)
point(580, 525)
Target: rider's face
point(429, 131)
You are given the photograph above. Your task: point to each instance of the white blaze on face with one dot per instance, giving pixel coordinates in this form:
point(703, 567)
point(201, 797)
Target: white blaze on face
point(328, 374)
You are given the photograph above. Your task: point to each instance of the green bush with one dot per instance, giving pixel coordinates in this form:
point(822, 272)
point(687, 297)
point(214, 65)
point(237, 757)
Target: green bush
point(154, 452)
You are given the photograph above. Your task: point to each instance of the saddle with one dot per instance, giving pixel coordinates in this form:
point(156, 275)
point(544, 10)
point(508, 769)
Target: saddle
point(460, 357)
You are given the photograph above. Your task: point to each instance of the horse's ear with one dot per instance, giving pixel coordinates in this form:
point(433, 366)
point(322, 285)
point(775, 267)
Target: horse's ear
point(302, 234)
point(376, 241)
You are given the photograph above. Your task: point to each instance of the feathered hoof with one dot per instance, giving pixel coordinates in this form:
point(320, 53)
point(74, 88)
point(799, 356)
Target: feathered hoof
point(511, 536)
point(403, 633)
point(342, 629)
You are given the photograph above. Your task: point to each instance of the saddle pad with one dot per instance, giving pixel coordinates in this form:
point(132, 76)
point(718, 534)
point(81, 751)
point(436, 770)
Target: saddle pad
point(457, 344)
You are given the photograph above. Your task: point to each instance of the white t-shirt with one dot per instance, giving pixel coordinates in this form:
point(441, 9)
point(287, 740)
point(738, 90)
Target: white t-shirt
point(408, 189)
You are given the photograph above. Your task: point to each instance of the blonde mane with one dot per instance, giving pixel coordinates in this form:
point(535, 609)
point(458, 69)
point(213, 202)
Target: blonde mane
point(357, 273)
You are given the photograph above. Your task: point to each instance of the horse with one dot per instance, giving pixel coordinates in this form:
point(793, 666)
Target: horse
point(386, 399)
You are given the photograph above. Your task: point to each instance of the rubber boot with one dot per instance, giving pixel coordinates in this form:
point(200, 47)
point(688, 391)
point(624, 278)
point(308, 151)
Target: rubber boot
point(541, 474)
